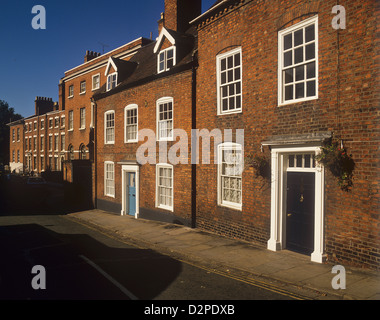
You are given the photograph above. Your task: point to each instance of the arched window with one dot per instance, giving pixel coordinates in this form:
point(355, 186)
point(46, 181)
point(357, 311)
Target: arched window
point(71, 152)
point(83, 152)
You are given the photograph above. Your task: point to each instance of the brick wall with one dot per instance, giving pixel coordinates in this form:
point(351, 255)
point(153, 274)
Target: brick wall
point(347, 105)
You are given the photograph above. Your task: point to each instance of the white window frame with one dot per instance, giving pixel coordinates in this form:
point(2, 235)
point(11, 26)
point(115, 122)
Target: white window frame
point(71, 91)
point(42, 158)
point(165, 52)
point(56, 124)
point(63, 121)
point(92, 124)
point(82, 118)
point(42, 124)
point(219, 58)
point(126, 109)
point(56, 142)
point(35, 125)
point(281, 84)
point(110, 81)
point(158, 204)
point(105, 127)
point(35, 142)
point(109, 194)
point(52, 123)
point(13, 135)
point(18, 134)
point(93, 82)
point(158, 121)
point(82, 88)
point(42, 147)
point(63, 145)
point(71, 120)
point(229, 146)
point(50, 144)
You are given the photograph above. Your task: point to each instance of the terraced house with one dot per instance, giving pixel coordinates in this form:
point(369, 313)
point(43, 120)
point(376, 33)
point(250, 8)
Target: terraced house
point(269, 110)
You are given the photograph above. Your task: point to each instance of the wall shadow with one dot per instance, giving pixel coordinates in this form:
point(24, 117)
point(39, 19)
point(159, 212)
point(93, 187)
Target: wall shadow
point(143, 272)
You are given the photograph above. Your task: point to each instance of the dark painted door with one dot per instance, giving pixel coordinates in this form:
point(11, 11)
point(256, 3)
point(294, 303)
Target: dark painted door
point(300, 211)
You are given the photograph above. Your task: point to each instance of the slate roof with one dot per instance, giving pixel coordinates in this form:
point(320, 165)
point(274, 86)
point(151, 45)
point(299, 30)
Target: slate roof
point(145, 64)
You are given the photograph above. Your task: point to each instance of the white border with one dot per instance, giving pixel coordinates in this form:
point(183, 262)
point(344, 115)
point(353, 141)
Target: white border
point(131, 107)
point(105, 127)
point(158, 166)
point(114, 185)
point(124, 170)
point(277, 239)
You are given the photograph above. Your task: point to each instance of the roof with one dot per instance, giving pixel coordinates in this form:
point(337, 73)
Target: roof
point(145, 64)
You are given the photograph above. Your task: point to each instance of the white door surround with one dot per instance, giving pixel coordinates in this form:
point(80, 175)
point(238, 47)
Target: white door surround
point(279, 167)
point(125, 169)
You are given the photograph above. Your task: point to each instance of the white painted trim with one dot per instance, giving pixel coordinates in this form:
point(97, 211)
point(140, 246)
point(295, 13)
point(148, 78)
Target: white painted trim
point(105, 127)
point(158, 166)
point(158, 102)
point(109, 63)
point(218, 81)
point(163, 33)
point(124, 170)
point(108, 77)
point(277, 239)
point(165, 59)
point(280, 86)
point(131, 107)
point(104, 182)
point(92, 83)
point(220, 148)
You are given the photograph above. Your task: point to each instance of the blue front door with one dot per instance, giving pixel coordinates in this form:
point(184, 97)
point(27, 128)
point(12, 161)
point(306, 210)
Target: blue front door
point(131, 193)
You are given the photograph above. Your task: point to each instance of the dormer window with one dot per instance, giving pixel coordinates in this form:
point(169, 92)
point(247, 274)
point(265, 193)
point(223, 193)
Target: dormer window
point(111, 81)
point(166, 59)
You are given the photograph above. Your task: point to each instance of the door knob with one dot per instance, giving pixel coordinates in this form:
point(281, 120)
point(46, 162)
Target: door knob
point(289, 214)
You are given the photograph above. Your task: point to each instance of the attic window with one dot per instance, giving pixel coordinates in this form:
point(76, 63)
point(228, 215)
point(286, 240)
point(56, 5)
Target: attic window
point(111, 81)
point(166, 59)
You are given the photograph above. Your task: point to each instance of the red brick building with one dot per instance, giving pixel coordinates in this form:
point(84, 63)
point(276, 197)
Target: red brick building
point(37, 143)
point(226, 120)
point(153, 98)
point(283, 72)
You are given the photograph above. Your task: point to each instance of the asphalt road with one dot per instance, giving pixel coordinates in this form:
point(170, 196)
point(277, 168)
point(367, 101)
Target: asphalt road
point(80, 263)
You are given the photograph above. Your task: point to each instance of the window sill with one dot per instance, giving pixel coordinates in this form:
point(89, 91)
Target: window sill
point(231, 205)
point(131, 141)
point(297, 101)
point(165, 208)
point(82, 128)
point(229, 112)
point(110, 195)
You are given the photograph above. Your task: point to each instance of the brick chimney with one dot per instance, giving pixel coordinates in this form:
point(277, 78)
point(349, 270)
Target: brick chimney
point(178, 14)
point(43, 105)
point(91, 55)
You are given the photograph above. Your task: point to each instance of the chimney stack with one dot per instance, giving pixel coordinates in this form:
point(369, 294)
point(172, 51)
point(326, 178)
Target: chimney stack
point(43, 105)
point(91, 55)
point(178, 14)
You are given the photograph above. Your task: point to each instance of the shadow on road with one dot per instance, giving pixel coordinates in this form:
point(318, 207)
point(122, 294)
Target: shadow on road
point(145, 273)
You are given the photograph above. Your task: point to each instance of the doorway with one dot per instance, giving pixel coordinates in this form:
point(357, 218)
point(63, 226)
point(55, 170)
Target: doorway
point(130, 190)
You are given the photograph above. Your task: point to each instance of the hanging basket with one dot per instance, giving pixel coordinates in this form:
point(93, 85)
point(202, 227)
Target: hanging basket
point(335, 158)
point(260, 163)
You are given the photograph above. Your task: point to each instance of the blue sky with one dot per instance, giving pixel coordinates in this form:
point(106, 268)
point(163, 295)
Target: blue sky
point(33, 61)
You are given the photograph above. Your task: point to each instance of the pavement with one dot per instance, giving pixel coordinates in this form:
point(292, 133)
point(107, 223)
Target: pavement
point(282, 271)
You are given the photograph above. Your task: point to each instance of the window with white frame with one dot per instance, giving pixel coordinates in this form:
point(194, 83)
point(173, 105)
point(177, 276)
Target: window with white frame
point(166, 59)
point(35, 143)
point(82, 116)
point(131, 123)
point(42, 143)
point(18, 156)
point(164, 186)
point(63, 141)
point(298, 62)
point(56, 142)
point(50, 142)
point(229, 82)
point(109, 127)
point(71, 120)
point(18, 134)
point(96, 81)
point(165, 118)
point(71, 91)
point(111, 81)
point(13, 156)
point(42, 124)
point(63, 118)
point(42, 163)
point(83, 87)
point(35, 125)
point(13, 135)
point(51, 123)
point(56, 122)
point(230, 167)
point(109, 179)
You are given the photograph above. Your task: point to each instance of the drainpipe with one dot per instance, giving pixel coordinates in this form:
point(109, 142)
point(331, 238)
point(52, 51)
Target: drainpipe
point(95, 125)
point(194, 126)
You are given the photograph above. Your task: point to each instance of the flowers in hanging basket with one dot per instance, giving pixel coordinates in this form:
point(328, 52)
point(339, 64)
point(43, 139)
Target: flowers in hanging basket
point(335, 157)
point(260, 163)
